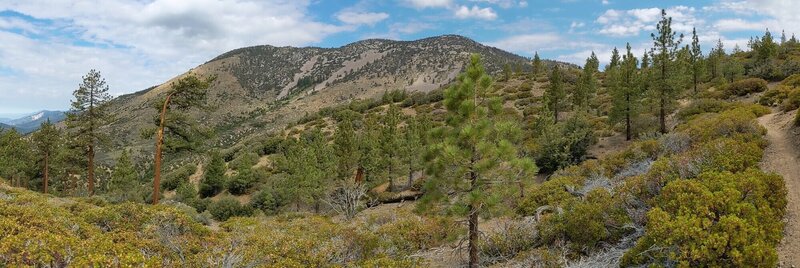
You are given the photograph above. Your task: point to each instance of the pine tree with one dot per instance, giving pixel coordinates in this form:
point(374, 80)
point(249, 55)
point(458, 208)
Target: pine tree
point(15, 157)
point(124, 185)
point(537, 65)
point(783, 37)
point(173, 128)
point(46, 139)
point(413, 142)
point(715, 59)
point(370, 152)
point(664, 53)
point(87, 116)
point(554, 95)
point(390, 141)
point(69, 160)
point(626, 93)
point(696, 60)
point(476, 145)
point(588, 83)
point(506, 72)
point(767, 48)
point(213, 180)
point(345, 143)
point(308, 162)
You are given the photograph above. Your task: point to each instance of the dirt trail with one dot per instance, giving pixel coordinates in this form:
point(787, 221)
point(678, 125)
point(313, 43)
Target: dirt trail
point(781, 157)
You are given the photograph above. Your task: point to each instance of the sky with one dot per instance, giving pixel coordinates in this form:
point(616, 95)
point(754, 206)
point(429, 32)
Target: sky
point(47, 46)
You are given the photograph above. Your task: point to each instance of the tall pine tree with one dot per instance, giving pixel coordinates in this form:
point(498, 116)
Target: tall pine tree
point(390, 141)
point(554, 95)
point(587, 86)
point(173, 127)
point(46, 139)
point(626, 92)
point(664, 52)
point(696, 60)
point(345, 143)
point(476, 145)
point(87, 116)
point(538, 67)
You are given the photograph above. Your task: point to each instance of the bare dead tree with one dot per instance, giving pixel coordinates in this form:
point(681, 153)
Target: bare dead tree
point(346, 199)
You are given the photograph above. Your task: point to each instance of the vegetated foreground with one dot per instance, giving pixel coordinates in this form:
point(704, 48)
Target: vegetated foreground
point(684, 190)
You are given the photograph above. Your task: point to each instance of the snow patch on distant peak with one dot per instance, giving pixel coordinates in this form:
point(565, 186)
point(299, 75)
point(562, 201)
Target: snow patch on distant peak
point(37, 116)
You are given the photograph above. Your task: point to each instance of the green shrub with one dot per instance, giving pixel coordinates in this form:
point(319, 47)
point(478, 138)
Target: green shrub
point(213, 180)
point(700, 106)
point(265, 201)
point(728, 154)
point(270, 145)
point(175, 178)
point(563, 144)
point(228, 207)
point(744, 87)
point(774, 96)
point(719, 220)
point(552, 192)
point(792, 81)
point(185, 192)
point(737, 122)
point(586, 223)
point(792, 100)
point(413, 233)
point(797, 119)
point(199, 204)
point(248, 159)
point(510, 239)
point(242, 181)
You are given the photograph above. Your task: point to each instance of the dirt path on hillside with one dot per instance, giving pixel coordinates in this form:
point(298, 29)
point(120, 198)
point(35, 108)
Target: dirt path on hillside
point(781, 157)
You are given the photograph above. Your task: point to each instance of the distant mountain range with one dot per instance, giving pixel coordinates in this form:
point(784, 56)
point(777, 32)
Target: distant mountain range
point(31, 122)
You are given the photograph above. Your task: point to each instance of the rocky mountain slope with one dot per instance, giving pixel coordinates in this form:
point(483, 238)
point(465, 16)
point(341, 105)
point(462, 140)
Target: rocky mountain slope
point(263, 88)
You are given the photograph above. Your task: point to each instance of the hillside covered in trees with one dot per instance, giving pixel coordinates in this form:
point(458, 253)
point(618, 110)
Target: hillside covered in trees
point(652, 160)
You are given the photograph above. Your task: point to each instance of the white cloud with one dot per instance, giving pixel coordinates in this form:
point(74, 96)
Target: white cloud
point(503, 3)
point(430, 3)
point(530, 43)
point(576, 25)
point(603, 53)
point(137, 44)
point(732, 25)
point(633, 21)
point(605, 2)
point(782, 14)
point(465, 12)
point(357, 18)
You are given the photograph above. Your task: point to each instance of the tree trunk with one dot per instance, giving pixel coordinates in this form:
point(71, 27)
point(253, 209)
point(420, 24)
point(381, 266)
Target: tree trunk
point(628, 118)
point(555, 112)
point(410, 177)
point(46, 171)
point(90, 177)
point(694, 76)
point(159, 142)
point(360, 175)
point(473, 237)
point(662, 114)
point(473, 217)
point(391, 179)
